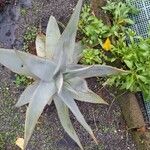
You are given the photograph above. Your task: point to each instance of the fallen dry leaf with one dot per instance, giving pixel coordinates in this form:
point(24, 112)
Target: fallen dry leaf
point(20, 142)
point(142, 129)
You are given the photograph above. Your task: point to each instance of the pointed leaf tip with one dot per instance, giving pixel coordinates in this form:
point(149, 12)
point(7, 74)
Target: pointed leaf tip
point(63, 114)
point(80, 91)
point(27, 94)
point(94, 138)
point(67, 39)
point(40, 45)
point(40, 98)
point(52, 36)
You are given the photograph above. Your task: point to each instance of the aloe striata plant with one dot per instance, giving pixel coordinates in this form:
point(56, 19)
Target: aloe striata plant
point(57, 76)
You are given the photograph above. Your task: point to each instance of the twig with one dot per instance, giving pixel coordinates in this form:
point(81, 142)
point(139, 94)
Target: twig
point(114, 101)
point(94, 121)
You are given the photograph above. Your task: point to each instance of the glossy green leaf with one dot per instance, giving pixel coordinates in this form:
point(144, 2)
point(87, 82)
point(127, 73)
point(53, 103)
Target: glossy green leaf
point(52, 36)
point(80, 91)
point(69, 101)
point(129, 63)
point(26, 96)
point(63, 114)
point(40, 98)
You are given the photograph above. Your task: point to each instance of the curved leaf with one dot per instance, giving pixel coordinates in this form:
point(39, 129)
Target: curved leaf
point(40, 98)
point(91, 71)
point(80, 91)
point(26, 96)
point(41, 67)
point(63, 114)
point(69, 101)
point(52, 36)
point(10, 59)
point(27, 64)
point(77, 53)
point(61, 63)
point(67, 39)
point(59, 82)
point(40, 45)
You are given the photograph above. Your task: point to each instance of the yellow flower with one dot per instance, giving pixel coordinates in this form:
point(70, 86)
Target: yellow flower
point(107, 45)
point(20, 142)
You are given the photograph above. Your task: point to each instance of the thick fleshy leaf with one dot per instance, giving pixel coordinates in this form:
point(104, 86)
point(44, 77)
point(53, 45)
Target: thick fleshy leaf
point(80, 91)
point(42, 67)
point(59, 82)
point(91, 71)
point(52, 36)
point(27, 64)
point(26, 96)
point(69, 101)
point(63, 114)
point(41, 97)
point(61, 63)
point(77, 53)
point(67, 40)
point(10, 59)
point(40, 45)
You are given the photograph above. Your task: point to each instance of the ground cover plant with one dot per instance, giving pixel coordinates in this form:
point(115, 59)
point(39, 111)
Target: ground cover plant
point(57, 76)
point(117, 44)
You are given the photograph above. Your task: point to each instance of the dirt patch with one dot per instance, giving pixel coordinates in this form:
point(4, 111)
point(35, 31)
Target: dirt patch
point(109, 128)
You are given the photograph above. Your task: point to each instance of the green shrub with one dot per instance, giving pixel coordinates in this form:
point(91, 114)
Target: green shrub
point(131, 51)
point(93, 30)
point(91, 57)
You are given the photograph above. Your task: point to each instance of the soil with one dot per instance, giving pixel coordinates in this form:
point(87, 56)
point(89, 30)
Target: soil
point(108, 126)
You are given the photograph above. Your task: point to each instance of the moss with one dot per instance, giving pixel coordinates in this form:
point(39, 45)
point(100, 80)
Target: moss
point(23, 12)
point(30, 34)
point(142, 140)
point(2, 140)
point(10, 124)
point(21, 80)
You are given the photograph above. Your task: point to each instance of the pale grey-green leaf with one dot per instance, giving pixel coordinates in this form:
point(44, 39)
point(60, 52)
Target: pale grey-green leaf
point(26, 96)
point(40, 45)
point(41, 67)
point(69, 101)
point(63, 114)
point(67, 40)
point(91, 71)
point(40, 98)
point(59, 82)
point(10, 59)
point(76, 53)
point(61, 63)
point(52, 36)
point(80, 91)
point(27, 64)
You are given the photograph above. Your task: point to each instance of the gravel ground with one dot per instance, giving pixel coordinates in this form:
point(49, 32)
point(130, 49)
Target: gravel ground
point(109, 127)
